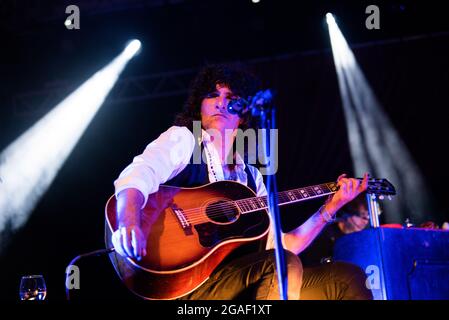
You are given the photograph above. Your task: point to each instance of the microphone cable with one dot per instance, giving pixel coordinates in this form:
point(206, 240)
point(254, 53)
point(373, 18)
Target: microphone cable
point(84, 255)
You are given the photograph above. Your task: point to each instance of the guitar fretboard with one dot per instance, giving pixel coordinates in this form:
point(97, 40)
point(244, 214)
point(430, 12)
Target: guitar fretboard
point(286, 197)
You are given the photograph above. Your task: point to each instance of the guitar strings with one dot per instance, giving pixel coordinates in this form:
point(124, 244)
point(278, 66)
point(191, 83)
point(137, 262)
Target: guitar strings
point(197, 215)
point(247, 202)
point(193, 214)
point(221, 209)
point(281, 195)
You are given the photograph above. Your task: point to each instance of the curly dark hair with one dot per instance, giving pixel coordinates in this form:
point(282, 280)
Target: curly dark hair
point(236, 76)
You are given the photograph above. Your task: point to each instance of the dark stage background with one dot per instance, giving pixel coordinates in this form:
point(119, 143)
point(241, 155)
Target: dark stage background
point(406, 62)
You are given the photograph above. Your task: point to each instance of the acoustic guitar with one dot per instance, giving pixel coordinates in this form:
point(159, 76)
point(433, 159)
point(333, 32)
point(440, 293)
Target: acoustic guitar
point(189, 231)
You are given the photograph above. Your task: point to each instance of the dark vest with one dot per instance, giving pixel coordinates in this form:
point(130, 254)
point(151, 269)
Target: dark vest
point(195, 175)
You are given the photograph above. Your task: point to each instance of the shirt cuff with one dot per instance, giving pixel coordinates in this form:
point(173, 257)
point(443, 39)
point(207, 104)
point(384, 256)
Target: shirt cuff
point(139, 185)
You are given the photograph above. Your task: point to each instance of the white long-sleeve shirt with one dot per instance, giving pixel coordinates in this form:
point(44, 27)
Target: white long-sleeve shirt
point(169, 154)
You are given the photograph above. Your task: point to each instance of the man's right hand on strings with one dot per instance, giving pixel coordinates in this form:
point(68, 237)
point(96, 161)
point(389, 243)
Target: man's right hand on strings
point(128, 239)
point(129, 242)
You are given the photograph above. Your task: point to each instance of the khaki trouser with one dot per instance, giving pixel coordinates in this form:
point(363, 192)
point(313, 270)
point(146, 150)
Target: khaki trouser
point(254, 277)
point(250, 277)
point(335, 281)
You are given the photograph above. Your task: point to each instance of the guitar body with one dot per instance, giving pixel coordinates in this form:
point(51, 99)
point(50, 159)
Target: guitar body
point(189, 231)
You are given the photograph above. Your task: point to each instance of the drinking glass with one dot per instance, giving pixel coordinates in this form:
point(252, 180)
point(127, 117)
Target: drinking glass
point(32, 287)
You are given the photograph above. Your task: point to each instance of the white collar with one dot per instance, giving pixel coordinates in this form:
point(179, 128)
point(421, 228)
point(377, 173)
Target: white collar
point(205, 137)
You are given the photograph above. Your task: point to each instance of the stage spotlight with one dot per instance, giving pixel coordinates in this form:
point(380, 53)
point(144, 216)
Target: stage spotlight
point(30, 163)
point(374, 143)
point(330, 18)
point(132, 48)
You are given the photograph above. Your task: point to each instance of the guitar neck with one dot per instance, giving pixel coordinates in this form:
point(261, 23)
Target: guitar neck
point(287, 197)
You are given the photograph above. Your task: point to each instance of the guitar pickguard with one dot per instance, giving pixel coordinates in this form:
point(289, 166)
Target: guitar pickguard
point(211, 234)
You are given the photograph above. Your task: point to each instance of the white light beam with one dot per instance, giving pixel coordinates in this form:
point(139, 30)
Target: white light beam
point(29, 164)
point(374, 143)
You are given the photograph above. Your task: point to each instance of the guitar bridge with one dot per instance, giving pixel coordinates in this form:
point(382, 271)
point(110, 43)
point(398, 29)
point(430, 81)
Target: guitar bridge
point(183, 221)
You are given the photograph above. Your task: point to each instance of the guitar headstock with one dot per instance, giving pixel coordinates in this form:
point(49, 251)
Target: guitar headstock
point(380, 187)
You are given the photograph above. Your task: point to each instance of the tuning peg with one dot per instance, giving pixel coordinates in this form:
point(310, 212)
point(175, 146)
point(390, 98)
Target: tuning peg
point(389, 198)
point(381, 197)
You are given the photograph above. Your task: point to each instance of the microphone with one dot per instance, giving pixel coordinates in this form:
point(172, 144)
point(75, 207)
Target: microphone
point(241, 106)
point(238, 106)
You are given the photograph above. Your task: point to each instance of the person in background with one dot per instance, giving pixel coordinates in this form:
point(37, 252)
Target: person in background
point(321, 275)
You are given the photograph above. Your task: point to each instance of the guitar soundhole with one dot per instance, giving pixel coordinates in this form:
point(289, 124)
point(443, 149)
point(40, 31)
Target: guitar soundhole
point(222, 212)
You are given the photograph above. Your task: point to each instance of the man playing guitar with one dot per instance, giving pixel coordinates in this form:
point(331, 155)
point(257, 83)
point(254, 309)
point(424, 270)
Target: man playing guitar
point(167, 161)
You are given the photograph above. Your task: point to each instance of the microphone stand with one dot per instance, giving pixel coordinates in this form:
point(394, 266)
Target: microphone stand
point(267, 121)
